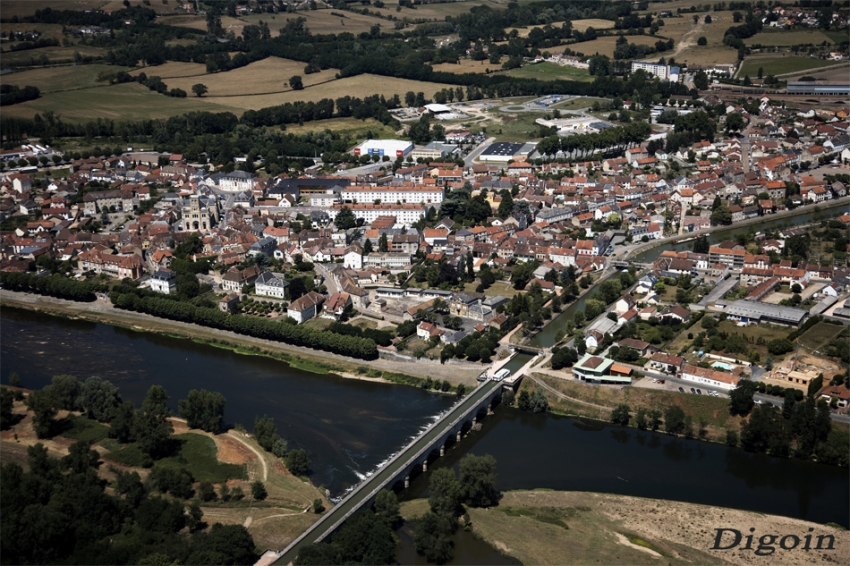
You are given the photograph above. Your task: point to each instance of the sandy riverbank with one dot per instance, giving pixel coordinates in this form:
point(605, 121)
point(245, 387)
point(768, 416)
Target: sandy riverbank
point(564, 527)
point(103, 312)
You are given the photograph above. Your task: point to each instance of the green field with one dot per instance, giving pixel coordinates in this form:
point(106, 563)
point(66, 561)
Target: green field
point(820, 334)
point(780, 65)
point(549, 72)
point(576, 103)
point(61, 78)
point(776, 37)
point(84, 429)
point(54, 54)
point(198, 455)
point(123, 102)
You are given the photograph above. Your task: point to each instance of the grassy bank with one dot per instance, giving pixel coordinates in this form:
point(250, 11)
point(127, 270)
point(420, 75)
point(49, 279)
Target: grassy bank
point(558, 527)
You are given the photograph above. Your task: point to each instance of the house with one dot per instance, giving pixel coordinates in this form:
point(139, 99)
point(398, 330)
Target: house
point(164, 281)
point(596, 369)
point(269, 284)
point(229, 302)
point(666, 363)
point(306, 307)
point(646, 283)
point(623, 304)
point(707, 376)
point(336, 305)
point(677, 313)
point(639, 345)
point(235, 278)
point(427, 329)
point(838, 392)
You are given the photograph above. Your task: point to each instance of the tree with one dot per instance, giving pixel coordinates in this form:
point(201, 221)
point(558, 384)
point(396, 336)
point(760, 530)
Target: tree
point(206, 491)
point(297, 462)
point(123, 423)
point(98, 399)
point(741, 398)
point(780, 346)
point(318, 506)
point(707, 19)
point(65, 390)
point(387, 507)
point(43, 405)
point(433, 538)
point(445, 494)
point(674, 420)
point(506, 207)
point(203, 409)
point(383, 245)
point(152, 428)
point(734, 122)
point(258, 491)
point(478, 481)
point(701, 80)
point(367, 247)
point(265, 432)
point(199, 89)
point(721, 216)
point(701, 40)
point(295, 83)
point(345, 219)
point(620, 415)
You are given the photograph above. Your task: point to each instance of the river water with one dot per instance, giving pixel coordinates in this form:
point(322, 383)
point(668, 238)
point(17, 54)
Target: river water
point(349, 426)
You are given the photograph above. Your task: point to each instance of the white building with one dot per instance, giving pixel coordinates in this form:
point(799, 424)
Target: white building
point(389, 148)
point(389, 194)
point(164, 281)
point(406, 214)
point(710, 377)
point(390, 260)
point(270, 285)
point(235, 181)
point(663, 72)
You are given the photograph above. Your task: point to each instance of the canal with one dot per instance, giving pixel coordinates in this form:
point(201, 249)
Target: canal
point(349, 426)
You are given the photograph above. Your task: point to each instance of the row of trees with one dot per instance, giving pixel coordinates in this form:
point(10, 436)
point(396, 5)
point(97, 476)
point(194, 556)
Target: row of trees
point(617, 138)
point(286, 332)
point(52, 286)
point(12, 94)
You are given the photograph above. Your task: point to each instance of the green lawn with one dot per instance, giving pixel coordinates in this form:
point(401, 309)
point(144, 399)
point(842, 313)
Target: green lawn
point(318, 323)
point(198, 455)
point(780, 65)
point(576, 104)
point(82, 428)
point(549, 72)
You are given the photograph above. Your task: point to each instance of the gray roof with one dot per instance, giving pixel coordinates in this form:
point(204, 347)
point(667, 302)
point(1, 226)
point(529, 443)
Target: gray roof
point(753, 309)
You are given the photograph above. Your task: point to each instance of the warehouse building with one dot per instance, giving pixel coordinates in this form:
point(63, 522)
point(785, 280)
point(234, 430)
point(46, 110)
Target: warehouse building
point(814, 88)
point(507, 151)
point(751, 312)
point(389, 148)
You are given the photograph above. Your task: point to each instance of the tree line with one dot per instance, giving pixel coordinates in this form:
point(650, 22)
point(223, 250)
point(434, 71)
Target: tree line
point(53, 286)
point(607, 139)
point(288, 333)
point(12, 94)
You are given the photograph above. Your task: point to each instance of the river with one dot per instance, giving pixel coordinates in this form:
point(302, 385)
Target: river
point(349, 426)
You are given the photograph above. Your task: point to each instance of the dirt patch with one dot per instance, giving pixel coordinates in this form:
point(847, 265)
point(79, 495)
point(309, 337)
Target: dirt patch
point(231, 451)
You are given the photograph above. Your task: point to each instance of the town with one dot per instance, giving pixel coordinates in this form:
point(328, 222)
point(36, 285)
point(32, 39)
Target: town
point(459, 263)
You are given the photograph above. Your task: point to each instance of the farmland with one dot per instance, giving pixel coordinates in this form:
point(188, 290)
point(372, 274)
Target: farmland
point(351, 126)
point(54, 54)
point(261, 77)
point(778, 64)
point(821, 333)
point(323, 21)
point(129, 101)
point(605, 45)
point(359, 86)
point(776, 37)
point(468, 66)
point(61, 78)
point(550, 72)
point(173, 69)
point(199, 23)
point(582, 25)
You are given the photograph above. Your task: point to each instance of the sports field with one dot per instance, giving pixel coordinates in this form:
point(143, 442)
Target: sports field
point(549, 72)
point(775, 64)
point(269, 75)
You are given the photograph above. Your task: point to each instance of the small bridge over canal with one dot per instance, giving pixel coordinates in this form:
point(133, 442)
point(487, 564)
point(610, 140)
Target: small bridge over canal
point(414, 457)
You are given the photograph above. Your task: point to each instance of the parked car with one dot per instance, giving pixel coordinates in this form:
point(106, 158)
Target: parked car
point(699, 392)
point(693, 390)
point(681, 390)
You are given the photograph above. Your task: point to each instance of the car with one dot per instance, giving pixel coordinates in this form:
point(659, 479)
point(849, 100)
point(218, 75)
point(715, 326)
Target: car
point(758, 402)
point(681, 390)
point(699, 392)
point(693, 390)
point(654, 381)
point(661, 381)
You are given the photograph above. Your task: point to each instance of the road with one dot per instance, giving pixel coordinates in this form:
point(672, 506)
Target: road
point(468, 160)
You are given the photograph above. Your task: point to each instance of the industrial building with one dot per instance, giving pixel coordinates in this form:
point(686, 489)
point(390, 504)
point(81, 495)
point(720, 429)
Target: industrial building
point(507, 151)
point(815, 88)
point(389, 148)
point(751, 312)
